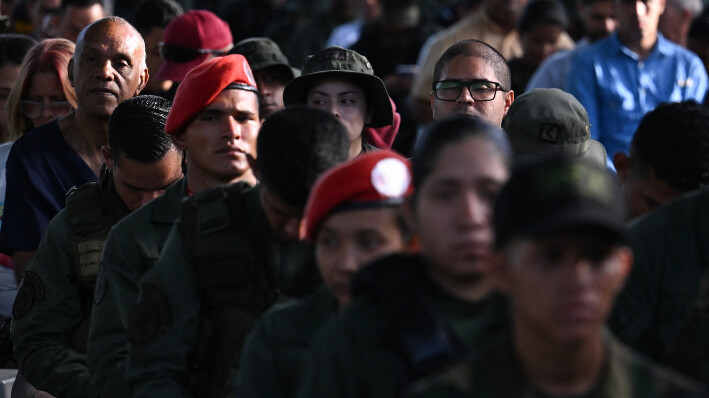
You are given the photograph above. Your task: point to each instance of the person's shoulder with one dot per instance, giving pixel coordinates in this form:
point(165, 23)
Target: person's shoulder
point(295, 315)
point(39, 138)
point(647, 377)
point(680, 215)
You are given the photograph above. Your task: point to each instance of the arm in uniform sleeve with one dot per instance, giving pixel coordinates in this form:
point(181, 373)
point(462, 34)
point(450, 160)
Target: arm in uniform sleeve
point(115, 296)
point(163, 327)
point(329, 371)
point(700, 84)
point(46, 313)
point(258, 368)
point(581, 82)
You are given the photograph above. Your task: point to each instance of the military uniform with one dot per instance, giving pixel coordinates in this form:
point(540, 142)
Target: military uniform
point(221, 267)
point(132, 247)
point(371, 351)
point(662, 292)
point(496, 372)
point(277, 347)
point(53, 306)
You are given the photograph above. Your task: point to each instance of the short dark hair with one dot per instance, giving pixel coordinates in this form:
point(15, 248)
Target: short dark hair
point(136, 129)
point(542, 12)
point(295, 146)
point(13, 48)
point(586, 3)
point(673, 141)
point(450, 131)
point(480, 49)
point(149, 14)
point(106, 4)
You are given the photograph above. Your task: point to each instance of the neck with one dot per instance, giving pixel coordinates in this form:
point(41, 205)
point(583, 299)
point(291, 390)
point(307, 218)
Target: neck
point(642, 46)
point(572, 368)
point(198, 181)
point(355, 148)
point(86, 135)
point(506, 20)
point(468, 290)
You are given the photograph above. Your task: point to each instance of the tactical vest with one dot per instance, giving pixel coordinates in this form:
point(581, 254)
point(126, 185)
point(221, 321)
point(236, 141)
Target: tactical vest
point(90, 224)
point(233, 276)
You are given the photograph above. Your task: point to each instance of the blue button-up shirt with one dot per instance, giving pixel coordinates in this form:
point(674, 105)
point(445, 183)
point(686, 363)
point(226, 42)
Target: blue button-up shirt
point(618, 89)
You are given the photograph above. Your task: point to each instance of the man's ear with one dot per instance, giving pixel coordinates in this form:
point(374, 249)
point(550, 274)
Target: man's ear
point(625, 258)
point(178, 138)
point(509, 99)
point(144, 76)
point(623, 164)
point(254, 166)
point(107, 157)
point(408, 209)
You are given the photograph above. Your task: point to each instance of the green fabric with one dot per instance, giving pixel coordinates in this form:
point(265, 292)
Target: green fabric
point(496, 372)
point(50, 338)
point(670, 260)
point(355, 358)
point(164, 364)
point(133, 246)
point(276, 349)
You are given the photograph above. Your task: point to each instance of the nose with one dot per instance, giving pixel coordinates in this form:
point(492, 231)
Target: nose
point(233, 129)
point(465, 97)
point(334, 109)
point(610, 25)
point(350, 262)
point(474, 212)
point(105, 71)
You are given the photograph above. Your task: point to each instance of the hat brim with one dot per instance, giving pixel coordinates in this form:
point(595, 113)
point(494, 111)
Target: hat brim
point(283, 68)
point(170, 70)
point(382, 114)
point(596, 153)
point(579, 214)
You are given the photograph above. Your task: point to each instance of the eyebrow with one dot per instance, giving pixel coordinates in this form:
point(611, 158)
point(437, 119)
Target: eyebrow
point(338, 94)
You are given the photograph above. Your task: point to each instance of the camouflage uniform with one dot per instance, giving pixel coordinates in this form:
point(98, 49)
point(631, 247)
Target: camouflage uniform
point(496, 372)
point(132, 248)
point(53, 306)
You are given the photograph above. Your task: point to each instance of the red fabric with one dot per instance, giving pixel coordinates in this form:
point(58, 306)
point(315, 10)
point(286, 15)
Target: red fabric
point(383, 137)
point(203, 83)
point(365, 178)
point(6, 261)
point(198, 29)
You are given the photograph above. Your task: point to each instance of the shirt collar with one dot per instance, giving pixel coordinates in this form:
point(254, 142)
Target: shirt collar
point(662, 46)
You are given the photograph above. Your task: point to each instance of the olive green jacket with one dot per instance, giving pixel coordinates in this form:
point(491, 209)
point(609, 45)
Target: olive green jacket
point(132, 247)
point(497, 373)
point(50, 320)
point(171, 328)
point(279, 344)
point(671, 246)
point(356, 355)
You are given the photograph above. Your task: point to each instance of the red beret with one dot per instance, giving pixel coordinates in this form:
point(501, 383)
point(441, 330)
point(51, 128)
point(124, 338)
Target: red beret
point(380, 176)
point(204, 83)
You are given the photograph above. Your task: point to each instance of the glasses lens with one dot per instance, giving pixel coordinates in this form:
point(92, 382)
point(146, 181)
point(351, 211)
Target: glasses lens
point(448, 90)
point(60, 108)
point(482, 90)
point(34, 109)
point(178, 54)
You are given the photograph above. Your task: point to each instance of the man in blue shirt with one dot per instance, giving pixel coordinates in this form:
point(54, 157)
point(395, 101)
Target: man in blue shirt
point(622, 77)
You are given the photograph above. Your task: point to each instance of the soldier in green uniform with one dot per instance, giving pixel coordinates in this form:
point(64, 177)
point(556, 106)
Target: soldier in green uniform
point(353, 216)
point(561, 258)
point(343, 83)
point(215, 120)
point(231, 256)
point(53, 307)
point(271, 71)
point(411, 314)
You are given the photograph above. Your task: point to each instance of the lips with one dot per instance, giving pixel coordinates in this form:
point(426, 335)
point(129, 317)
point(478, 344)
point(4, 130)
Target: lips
point(576, 311)
point(103, 92)
point(234, 151)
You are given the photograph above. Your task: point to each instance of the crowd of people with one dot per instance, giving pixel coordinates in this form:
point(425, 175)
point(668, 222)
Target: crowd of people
point(354, 198)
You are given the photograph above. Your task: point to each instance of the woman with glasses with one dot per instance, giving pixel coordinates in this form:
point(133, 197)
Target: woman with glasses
point(42, 91)
point(343, 83)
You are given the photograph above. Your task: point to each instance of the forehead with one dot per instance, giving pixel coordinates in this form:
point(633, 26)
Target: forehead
point(110, 37)
point(359, 220)
point(335, 85)
point(464, 67)
point(470, 160)
point(234, 99)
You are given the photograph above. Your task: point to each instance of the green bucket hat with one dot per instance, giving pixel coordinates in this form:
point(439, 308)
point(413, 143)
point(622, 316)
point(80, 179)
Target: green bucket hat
point(262, 53)
point(340, 62)
point(550, 121)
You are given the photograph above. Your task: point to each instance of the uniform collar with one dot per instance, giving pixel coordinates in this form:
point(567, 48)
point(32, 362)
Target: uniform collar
point(167, 206)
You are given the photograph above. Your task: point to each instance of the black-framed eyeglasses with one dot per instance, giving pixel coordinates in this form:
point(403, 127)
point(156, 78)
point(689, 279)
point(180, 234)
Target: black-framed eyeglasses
point(34, 109)
point(480, 90)
point(182, 54)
